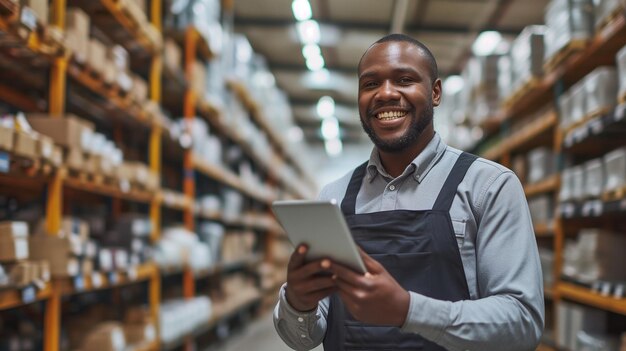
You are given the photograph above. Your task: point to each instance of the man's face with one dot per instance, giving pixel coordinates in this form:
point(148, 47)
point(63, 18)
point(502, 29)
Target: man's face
point(396, 95)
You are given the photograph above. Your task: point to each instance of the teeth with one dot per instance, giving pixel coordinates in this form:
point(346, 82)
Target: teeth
point(385, 116)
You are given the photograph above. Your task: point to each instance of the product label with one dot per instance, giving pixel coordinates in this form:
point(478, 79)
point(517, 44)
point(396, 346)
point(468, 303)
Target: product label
point(28, 18)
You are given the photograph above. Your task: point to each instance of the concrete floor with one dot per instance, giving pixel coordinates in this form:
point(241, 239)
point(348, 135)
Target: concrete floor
point(259, 335)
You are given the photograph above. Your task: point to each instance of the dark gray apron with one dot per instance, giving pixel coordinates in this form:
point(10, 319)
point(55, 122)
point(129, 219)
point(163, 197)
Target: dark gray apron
point(418, 248)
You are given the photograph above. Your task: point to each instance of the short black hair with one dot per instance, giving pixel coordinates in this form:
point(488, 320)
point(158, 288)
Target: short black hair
point(398, 37)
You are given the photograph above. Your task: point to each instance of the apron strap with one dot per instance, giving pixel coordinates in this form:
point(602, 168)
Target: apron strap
point(348, 204)
point(448, 191)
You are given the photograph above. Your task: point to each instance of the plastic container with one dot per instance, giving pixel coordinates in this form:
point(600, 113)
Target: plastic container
point(600, 90)
point(615, 169)
point(594, 177)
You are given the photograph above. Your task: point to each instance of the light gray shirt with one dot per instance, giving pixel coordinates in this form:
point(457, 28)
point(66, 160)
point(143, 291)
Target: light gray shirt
point(498, 249)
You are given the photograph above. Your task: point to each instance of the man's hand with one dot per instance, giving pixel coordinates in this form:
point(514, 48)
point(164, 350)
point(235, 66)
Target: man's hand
point(306, 282)
point(373, 298)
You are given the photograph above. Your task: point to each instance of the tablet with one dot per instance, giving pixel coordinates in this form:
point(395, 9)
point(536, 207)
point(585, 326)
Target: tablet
point(320, 225)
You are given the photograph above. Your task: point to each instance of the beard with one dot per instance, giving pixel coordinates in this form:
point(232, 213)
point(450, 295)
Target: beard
point(410, 136)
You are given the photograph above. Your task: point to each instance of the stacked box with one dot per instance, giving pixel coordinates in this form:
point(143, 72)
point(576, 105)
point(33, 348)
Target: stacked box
point(594, 178)
point(565, 109)
point(77, 24)
point(139, 326)
point(527, 53)
point(6, 138)
point(13, 241)
point(566, 21)
point(172, 55)
point(620, 58)
point(600, 90)
point(25, 145)
point(40, 8)
point(615, 169)
point(540, 164)
point(108, 336)
point(96, 55)
point(574, 318)
point(541, 209)
point(68, 131)
point(198, 79)
point(506, 76)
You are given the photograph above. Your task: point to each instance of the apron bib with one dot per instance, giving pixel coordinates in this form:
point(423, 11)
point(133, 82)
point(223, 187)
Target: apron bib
point(418, 248)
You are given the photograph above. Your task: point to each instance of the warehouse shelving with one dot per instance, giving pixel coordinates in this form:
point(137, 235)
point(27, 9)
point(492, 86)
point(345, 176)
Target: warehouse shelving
point(588, 297)
point(595, 135)
point(72, 83)
point(12, 298)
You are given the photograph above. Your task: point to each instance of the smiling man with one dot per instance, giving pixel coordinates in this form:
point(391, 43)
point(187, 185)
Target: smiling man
point(446, 237)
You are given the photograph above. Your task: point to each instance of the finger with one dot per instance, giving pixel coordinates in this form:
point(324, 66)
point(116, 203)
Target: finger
point(297, 257)
point(315, 285)
point(310, 269)
point(371, 264)
point(346, 274)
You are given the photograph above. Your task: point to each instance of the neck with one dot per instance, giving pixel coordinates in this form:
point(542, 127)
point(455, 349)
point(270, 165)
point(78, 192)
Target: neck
point(396, 163)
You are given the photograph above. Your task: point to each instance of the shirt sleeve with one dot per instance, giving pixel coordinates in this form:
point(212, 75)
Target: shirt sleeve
point(300, 330)
point(509, 313)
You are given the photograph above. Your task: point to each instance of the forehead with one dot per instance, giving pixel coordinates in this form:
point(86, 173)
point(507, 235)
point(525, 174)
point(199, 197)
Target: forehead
point(391, 54)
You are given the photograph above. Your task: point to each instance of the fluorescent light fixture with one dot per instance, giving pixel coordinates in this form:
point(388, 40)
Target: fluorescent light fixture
point(333, 147)
point(326, 107)
point(301, 10)
point(315, 63)
point(321, 76)
point(453, 84)
point(330, 128)
point(486, 43)
point(308, 32)
point(310, 50)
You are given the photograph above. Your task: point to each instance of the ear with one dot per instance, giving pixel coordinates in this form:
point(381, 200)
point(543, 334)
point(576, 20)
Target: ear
point(436, 92)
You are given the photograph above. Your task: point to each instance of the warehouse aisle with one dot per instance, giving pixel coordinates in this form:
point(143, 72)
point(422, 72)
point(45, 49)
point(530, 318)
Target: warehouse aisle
point(259, 336)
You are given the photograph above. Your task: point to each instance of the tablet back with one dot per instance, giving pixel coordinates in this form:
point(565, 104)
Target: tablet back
point(321, 225)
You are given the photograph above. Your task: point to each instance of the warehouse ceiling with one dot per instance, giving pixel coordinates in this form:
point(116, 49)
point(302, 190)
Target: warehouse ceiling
point(348, 27)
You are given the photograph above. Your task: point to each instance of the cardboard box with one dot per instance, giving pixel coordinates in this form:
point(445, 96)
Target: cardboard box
point(22, 273)
point(77, 24)
point(140, 89)
point(67, 131)
point(12, 230)
point(96, 55)
point(198, 78)
point(57, 156)
point(13, 249)
point(139, 333)
point(40, 8)
point(110, 72)
point(47, 246)
point(172, 55)
point(45, 148)
point(108, 336)
point(615, 169)
point(75, 159)
point(76, 227)
point(6, 138)
point(601, 87)
point(25, 145)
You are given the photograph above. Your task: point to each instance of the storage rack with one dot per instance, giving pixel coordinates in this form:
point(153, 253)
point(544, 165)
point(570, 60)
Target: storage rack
point(546, 131)
point(65, 77)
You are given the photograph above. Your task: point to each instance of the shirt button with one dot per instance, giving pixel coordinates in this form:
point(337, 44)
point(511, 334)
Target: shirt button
point(392, 187)
point(300, 319)
point(302, 336)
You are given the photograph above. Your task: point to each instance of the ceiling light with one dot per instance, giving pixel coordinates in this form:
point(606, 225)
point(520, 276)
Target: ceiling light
point(453, 84)
point(326, 107)
point(333, 147)
point(295, 134)
point(315, 63)
point(320, 76)
point(486, 43)
point(330, 128)
point(301, 10)
point(308, 32)
point(310, 50)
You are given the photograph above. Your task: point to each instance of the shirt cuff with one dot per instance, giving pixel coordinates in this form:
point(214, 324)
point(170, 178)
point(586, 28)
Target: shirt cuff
point(304, 321)
point(427, 317)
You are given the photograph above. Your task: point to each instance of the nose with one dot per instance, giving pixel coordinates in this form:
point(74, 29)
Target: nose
point(387, 91)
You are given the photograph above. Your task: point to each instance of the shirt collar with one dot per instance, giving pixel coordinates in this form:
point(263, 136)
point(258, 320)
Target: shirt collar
point(419, 167)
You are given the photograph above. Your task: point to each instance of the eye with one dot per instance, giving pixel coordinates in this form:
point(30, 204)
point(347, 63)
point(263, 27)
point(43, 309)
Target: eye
point(368, 84)
point(405, 80)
